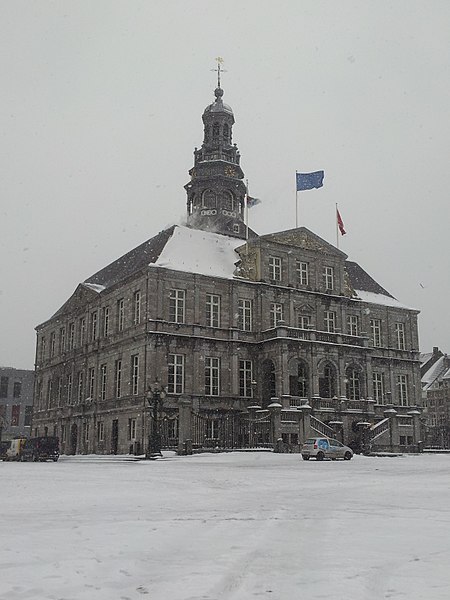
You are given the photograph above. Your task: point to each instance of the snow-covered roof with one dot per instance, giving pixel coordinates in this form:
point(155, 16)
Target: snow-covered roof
point(435, 372)
point(382, 299)
point(95, 287)
point(202, 252)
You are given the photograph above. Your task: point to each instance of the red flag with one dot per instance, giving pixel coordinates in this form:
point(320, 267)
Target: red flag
point(340, 222)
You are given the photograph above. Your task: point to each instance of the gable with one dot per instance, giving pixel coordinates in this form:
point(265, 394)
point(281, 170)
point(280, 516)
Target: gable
point(303, 238)
point(83, 294)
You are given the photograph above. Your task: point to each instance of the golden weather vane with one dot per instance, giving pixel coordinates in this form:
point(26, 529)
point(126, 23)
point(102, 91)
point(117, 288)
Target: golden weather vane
point(219, 69)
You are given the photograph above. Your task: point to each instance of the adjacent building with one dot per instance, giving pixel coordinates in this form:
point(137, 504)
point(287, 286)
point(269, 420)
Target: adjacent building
point(254, 338)
point(16, 402)
point(435, 371)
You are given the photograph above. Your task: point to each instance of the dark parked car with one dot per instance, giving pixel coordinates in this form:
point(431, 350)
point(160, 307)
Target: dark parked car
point(4, 446)
point(40, 449)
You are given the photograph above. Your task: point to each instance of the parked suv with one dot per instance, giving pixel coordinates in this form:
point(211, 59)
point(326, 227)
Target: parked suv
point(324, 447)
point(40, 449)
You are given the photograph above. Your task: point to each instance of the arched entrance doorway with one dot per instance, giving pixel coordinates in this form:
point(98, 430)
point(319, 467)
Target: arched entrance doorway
point(298, 378)
point(73, 438)
point(327, 381)
point(268, 388)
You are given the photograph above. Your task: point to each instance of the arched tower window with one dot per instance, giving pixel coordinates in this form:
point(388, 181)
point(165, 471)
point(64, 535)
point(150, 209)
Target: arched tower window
point(327, 381)
point(215, 131)
point(226, 132)
point(353, 377)
point(209, 199)
point(298, 378)
point(228, 201)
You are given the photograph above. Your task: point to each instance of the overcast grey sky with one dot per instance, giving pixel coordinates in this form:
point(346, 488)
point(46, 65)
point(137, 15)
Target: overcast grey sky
point(101, 107)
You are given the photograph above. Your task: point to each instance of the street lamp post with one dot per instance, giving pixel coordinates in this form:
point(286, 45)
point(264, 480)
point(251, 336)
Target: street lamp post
point(155, 396)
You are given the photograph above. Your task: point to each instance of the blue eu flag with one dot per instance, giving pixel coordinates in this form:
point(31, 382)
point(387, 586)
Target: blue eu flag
point(308, 181)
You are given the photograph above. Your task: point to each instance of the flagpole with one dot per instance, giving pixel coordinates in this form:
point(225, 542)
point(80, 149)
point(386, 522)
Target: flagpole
point(296, 201)
point(337, 229)
point(246, 215)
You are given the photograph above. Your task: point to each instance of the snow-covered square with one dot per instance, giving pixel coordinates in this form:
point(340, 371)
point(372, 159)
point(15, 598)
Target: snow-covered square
point(226, 526)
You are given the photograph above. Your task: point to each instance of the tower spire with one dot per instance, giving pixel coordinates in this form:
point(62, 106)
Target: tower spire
point(219, 69)
point(216, 191)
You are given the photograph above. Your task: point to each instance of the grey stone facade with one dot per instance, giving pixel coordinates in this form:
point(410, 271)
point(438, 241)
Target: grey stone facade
point(16, 402)
point(225, 325)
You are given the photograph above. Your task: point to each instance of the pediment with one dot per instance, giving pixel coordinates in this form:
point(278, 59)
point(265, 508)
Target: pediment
point(83, 294)
point(303, 238)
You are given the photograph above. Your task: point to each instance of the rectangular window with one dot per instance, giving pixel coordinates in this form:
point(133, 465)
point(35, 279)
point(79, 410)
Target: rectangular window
point(131, 429)
point(94, 325)
point(118, 378)
point(177, 306)
point(52, 344)
point(120, 314)
point(86, 431)
point(135, 375)
point(82, 330)
point(69, 389)
point(4, 381)
point(375, 329)
point(100, 431)
point(353, 324)
point(245, 314)
point(91, 382)
point(62, 340)
point(212, 429)
point(276, 313)
point(105, 320)
point(245, 378)
point(43, 348)
point(28, 416)
point(102, 382)
point(402, 390)
point(136, 308)
point(400, 335)
point(71, 336)
point(176, 374)
point(59, 391)
point(49, 392)
point(378, 387)
point(302, 269)
point(80, 387)
point(212, 310)
point(212, 376)
point(303, 322)
point(275, 268)
point(328, 278)
point(63, 434)
point(15, 415)
point(330, 321)
point(17, 389)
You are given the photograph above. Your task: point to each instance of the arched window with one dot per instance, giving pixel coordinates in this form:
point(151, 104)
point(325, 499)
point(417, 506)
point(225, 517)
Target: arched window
point(327, 382)
point(353, 377)
point(226, 132)
point(208, 199)
point(228, 201)
point(298, 379)
point(215, 131)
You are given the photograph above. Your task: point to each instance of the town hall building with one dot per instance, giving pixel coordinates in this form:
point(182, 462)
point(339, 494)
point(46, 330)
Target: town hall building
point(214, 336)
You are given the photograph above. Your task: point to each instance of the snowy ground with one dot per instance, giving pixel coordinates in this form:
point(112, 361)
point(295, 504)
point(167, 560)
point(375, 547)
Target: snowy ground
point(226, 527)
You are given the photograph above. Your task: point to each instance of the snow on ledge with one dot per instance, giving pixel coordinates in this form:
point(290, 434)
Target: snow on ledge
point(202, 252)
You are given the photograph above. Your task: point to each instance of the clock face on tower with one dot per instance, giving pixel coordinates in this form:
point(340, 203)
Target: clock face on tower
point(230, 171)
